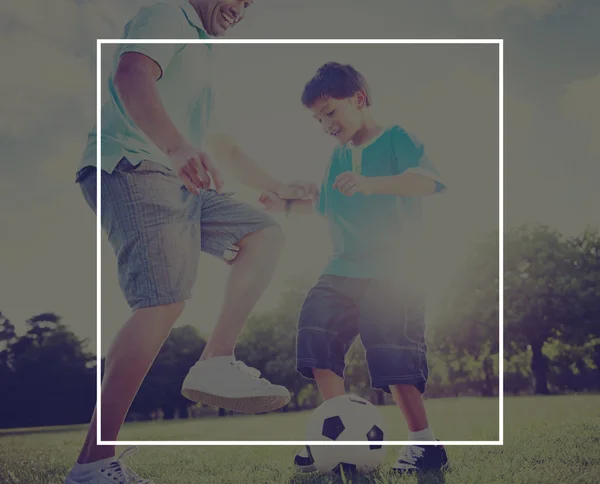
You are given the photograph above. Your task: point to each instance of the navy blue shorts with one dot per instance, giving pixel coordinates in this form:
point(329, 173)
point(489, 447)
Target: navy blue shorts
point(389, 318)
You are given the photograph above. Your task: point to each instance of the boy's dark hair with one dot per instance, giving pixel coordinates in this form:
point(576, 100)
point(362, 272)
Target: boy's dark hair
point(338, 81)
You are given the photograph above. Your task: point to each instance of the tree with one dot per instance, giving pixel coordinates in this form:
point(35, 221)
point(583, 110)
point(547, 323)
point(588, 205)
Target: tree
point(540, 290)
point(52, 376)
point(161, 389)
point(467, 331)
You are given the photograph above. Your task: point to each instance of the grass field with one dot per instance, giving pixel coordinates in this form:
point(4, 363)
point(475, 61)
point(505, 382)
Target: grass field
point(547, 440)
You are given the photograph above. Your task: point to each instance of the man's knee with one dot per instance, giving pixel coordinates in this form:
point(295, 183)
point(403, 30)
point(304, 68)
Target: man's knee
point(166, 313)
point(270, 240)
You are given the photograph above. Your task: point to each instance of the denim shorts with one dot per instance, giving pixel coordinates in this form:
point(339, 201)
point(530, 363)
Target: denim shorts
point(389, 317)
point(157, 229)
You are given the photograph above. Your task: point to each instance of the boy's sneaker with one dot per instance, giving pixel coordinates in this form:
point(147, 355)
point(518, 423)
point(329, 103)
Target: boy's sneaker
point(113, 472)
point(421, 458)
point(304, 461)
point(226, 383)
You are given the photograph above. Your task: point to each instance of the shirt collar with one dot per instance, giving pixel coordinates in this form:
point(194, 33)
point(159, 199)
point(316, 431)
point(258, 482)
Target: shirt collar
point(191, 14)
point(369, 142)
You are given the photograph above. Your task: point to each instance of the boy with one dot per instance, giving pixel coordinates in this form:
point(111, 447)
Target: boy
point(371, 198)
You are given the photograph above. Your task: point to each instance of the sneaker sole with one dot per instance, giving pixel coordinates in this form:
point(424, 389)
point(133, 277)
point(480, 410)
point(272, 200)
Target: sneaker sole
point(305, 469)
point(259, 404)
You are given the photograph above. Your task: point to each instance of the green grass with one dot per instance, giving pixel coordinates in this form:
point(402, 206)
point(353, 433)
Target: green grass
point(547, 440)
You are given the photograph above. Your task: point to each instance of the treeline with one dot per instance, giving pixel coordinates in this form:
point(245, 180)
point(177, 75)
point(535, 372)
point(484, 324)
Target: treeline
point(551, 340)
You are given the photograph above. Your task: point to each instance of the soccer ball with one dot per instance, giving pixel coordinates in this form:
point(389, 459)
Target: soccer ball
point(346, 418)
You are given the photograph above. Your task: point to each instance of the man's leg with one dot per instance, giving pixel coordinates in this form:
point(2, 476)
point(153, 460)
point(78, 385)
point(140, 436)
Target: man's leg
point(127, 362)
point(250, 275)
point(229, 226)
point(157, 259)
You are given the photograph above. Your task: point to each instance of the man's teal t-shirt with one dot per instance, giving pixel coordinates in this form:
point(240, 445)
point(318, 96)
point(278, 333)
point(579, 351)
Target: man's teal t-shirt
point(374, 236)
point(186, 86)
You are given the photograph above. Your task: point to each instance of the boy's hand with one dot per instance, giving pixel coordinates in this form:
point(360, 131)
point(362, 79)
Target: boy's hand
point(350, 183)
point(299, 190)
point(272, 202)
point(194, 166)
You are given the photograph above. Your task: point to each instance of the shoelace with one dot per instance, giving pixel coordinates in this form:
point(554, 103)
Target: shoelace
point(411, 453)
point(253, 372)
point(121, 473)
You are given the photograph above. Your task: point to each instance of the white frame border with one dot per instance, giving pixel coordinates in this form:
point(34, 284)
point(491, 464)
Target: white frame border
point(498, 42)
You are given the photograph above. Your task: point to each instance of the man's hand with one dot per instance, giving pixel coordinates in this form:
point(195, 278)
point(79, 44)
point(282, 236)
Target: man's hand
point(299, 190)
point(271, 202)
point(195, 168)
point(350, 183)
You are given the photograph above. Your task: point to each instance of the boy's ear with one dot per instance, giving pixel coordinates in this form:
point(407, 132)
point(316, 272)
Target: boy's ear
point(361, 99)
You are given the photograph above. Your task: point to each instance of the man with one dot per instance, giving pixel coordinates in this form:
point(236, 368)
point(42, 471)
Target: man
point(160, 210)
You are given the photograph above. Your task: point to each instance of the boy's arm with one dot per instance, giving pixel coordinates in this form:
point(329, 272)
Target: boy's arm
point(404, 185)
point(418, 177)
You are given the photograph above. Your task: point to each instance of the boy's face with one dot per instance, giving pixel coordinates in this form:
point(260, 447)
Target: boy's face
point(218, 16)
point(340, 118)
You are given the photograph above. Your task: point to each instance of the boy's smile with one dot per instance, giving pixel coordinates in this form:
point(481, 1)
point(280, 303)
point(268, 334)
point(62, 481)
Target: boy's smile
point(340, 118)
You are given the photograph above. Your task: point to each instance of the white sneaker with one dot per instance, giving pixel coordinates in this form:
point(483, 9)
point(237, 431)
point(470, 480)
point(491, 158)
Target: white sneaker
point(114, 472)
point(421, 458)
point(226, 383)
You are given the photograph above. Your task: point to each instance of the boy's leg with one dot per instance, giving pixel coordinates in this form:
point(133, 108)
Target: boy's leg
point(410, 401)
point(330, 384)
point(250, 241)
point(327, 327)
point(392, 329)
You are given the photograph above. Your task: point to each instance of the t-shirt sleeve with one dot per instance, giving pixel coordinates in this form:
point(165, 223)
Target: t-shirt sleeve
point(158, 21)
point(411, 158)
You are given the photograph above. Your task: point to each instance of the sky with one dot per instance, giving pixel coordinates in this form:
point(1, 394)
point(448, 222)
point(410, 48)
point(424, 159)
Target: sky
point(446, 95)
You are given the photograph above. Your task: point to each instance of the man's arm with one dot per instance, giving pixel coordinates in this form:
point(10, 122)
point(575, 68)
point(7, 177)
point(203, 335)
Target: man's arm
point(274, 204)
point(135, 81)
point(249, 172)
point(242, 166)
point(303, 207)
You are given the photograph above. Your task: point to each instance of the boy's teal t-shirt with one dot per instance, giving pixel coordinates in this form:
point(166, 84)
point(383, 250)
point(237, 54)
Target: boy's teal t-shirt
point(375, 236)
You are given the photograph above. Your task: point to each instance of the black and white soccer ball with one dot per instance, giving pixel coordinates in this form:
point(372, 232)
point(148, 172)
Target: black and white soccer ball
point(347, 418)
